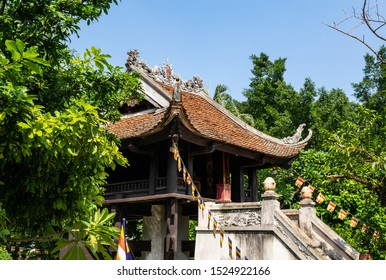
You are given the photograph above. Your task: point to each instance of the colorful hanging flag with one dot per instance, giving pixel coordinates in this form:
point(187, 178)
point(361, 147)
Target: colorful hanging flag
point(299, 182)
point(364, 228)
point(320, 198)
point(179, 164)
point(331, 206)
point(342, 214)
point(353, 222)
point(238, 253)
point(230, 247)
point(193, 190)
point(214, 227)
point(221, 237)
point(311, 188)
point(202, 207)
point(188, 179)
point(209, 218)
point(184, 173)
point(123, 253)
point(175, 154)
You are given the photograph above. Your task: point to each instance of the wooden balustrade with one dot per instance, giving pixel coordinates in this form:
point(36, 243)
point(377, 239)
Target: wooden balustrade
point(141, 187)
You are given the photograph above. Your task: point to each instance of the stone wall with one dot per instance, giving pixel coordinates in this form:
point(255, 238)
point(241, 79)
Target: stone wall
point(262, 231)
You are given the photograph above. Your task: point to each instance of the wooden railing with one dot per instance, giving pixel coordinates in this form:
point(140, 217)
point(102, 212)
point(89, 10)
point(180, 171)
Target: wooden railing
point(142, 187)
point(128, 187)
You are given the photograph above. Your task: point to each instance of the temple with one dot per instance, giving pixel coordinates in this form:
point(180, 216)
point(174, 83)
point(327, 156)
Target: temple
point(221, 153)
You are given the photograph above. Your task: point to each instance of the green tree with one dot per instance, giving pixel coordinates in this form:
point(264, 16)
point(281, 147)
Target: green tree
point(47, 25)
point(328, 112)
point(225, 100)
point(346, 161)
point(270, 100)
point(53, 147)
point(52, 166)
point(371, 91)
point(354, 177)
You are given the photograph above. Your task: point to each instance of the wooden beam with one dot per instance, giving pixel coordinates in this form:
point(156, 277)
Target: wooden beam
point(152, 198)
point(193, 138)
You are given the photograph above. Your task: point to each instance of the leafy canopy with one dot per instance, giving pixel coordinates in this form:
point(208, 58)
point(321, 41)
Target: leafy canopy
point(53, 107)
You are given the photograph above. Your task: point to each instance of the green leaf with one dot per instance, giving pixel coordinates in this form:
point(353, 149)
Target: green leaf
point(93, 243)
point(3, 60)
point(16, 48)
point(75, 253)
point(60, 244)
point(34, 67)
point(2, 116)
point(99, 65)
point(20, 45)
point(23, 125)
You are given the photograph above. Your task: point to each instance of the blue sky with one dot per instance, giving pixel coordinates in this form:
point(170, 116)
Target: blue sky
point(214, 39)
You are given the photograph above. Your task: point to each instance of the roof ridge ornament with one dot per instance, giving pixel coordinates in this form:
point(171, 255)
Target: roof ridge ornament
point(177, 91)
point(163, 74)
point(295, 139)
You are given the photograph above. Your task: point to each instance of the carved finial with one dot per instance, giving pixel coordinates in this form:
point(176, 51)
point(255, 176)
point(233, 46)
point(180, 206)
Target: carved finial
point(306, 193)
point(168, 70)
point(295, 139)
point(269, 184)
point(132, 59)
point(177, 90)
point(163, 74)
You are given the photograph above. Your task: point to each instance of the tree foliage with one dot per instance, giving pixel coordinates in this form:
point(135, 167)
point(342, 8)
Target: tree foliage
point(53, 106)
point(47, 26)
point(225, 100)
point(346, 156)
point(371, 90)
point(269, 97)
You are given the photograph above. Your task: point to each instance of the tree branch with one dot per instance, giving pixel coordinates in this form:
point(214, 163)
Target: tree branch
point(31, 239)
point(355, 178)
point(366, 19)
point(360, 40)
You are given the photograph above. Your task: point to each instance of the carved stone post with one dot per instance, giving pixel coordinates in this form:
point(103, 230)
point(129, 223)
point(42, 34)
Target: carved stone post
point(269, 204)
point(307, 212)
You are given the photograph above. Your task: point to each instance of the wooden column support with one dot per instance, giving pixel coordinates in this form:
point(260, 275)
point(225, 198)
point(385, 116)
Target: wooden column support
point(171, 242)
point(252, 183)
point(172, 173)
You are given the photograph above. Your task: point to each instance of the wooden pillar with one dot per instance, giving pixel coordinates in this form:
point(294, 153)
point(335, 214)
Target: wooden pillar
point(172, 173)
point(117, 209)
point(241, 185)
point(153, 170)
point(236, 180)
point(252, 183)
point(190, 170)
point(171, 242)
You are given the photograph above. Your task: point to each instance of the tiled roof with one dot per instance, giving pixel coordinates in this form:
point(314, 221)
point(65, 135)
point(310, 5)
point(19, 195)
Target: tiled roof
point(136, 125)
point(198, 112)
point(211, 121)
point(216, 123)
